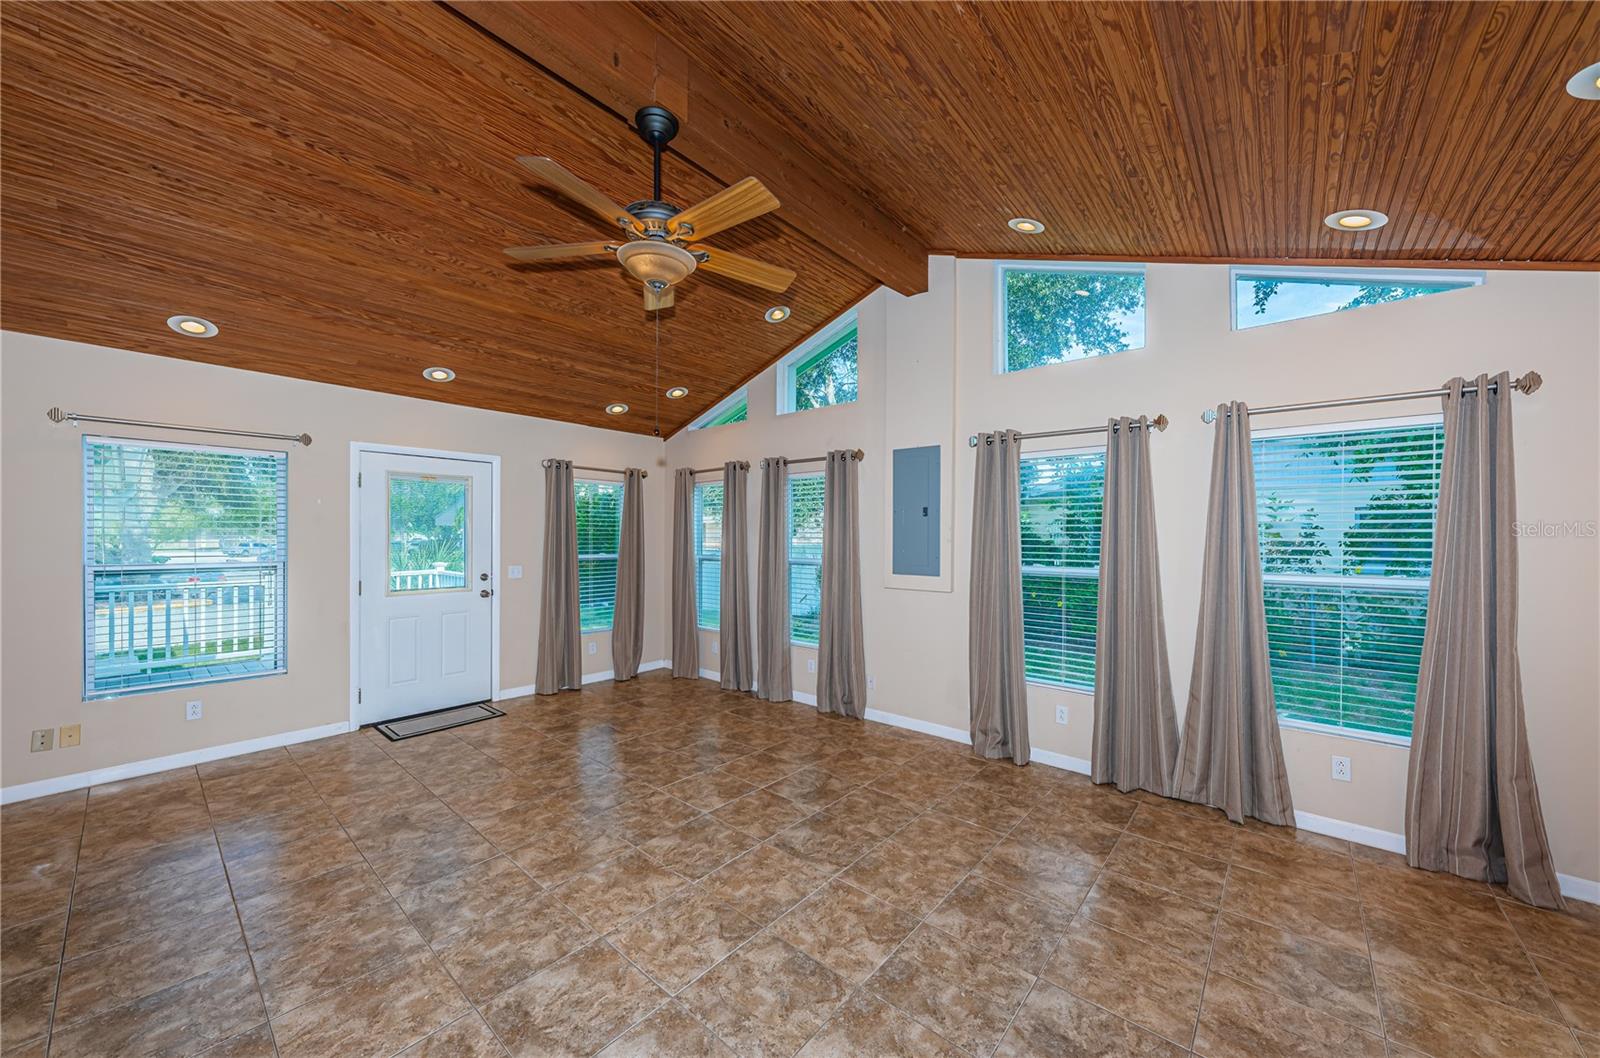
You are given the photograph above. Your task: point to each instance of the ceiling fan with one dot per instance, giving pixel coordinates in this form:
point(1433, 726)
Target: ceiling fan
point(656, 246)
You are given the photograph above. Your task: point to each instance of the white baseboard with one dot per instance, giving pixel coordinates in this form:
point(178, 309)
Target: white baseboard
point(1060, 760)
point(911, 723)
point(514, 692)
point(805, 699)
point(62, 783)
point(711, 674)
point(610, 674)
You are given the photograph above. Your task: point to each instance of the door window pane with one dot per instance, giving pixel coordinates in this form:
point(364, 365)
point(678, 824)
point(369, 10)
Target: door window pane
point(428, 529)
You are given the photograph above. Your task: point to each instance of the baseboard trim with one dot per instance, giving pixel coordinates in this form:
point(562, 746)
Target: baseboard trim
point(62, 783)
point(1060, 760)
point(926, 727)
point(805, 699)
point(514, 692)
point(610, 674)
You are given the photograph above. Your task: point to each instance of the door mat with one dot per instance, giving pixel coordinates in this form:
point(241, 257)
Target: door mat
point(438, 720)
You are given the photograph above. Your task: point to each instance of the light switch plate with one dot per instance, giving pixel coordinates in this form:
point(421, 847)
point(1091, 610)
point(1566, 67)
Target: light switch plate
point(71, 735)
point(514, 572)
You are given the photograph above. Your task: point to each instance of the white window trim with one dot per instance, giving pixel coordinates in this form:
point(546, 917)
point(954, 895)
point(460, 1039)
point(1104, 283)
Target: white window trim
point(1045, 453)
point(704, 421)
point(785, 373)
point(1002, 267)
point(582, 629)
point(1466, 279)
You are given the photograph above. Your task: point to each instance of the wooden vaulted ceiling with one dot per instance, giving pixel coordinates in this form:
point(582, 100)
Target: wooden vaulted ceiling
point(332, 183)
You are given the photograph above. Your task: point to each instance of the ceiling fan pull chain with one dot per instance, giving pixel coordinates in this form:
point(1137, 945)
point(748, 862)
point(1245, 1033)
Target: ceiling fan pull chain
point(658, 365)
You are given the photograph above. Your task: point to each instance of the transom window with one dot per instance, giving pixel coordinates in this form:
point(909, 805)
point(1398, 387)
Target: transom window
point(805, 557)
point(823, 371)
point(185, 563)
point(1054, 313)
point(599, 511)
point(1061, 504)
point(1346, 517)
point(1276, 295)
point(735, 407)
point(708, 553)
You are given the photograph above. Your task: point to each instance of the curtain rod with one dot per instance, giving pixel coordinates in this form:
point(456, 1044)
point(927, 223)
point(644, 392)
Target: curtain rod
point(56, 415)
point(598, 470)
point(713, 470)
point(858, 455)
point(1527, 384)
point(1158, 421)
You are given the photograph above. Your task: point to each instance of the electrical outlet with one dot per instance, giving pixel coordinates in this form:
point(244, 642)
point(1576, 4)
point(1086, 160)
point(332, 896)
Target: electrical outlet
point(1341, 769)
point(514, 572)
point(716, 648)
point(811, 664)
point(592, 648)
point(191, 710)
point(43, 740)
point(71, 735)
point(1061, 714)
point(871, 683)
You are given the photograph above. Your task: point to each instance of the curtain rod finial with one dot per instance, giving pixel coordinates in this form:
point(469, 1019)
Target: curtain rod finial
point(1209, 415)
point(1160, 422)
point(305, 439)
point(1529, 383)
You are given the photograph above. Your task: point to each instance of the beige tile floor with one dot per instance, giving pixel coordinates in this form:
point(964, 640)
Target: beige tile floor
point(659, 869)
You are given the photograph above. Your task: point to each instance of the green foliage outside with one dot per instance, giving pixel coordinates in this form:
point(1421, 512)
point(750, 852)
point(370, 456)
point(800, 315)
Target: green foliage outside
point(428, 525)
point(1053, 316)
point(708, 554)
point(805, 558)
point(829, 377)
point(1061, 512)
point(599, 514)
point(1269, 296)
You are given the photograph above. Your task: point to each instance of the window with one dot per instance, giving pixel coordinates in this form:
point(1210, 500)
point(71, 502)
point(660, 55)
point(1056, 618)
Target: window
point(1346, 520)
point(1274, 295)
point(1060, 501)
point(1055, 313)
point(823, 371)
point(599, 508)
point(184, 565)
point(735, 407)
point(708, 553)
point(805, 557)
point(428, 533)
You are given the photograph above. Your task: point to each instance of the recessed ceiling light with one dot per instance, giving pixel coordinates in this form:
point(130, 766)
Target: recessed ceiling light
point(1026, 225)
point(438, 374)
point(1585, 84)
point(1355, 220)
point(618, 408)
point(677, 392)
point(1081, 293)
point(776, 314)
point(192, 326)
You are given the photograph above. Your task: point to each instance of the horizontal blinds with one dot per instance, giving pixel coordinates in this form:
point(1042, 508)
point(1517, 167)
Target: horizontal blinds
point(805, 557)
point(1345, 521)
point(599, 517)
point(185, 552)
point(1060, 505)
point(708, 553)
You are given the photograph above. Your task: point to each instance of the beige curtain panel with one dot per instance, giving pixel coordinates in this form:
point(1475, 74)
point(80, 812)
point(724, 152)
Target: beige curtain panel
point(774, 680)
point(1472, 806)
point(738, 655)
point(685, 613)
point(627, 625)
point(841, 643)
point(560, 664)
point(998, 687)
point(1232, 756)
point(1135, 725)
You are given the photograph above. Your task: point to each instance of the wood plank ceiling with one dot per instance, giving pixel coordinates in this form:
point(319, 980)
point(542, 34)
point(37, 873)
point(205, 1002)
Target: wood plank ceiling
point(332, 183)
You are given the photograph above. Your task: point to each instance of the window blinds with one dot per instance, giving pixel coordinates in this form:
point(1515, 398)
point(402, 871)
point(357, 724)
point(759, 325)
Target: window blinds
point(1061, 497)
point(708, 553)
point(1346, 521)
point(599, 516)
point(805, 557)
point(185, 564)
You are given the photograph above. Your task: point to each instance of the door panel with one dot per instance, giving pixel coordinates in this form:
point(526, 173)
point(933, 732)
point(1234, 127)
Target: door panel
point(426, 543)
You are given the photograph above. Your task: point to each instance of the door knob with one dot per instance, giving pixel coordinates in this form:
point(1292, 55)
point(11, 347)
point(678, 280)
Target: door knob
point(485, 576)
point(486, 592)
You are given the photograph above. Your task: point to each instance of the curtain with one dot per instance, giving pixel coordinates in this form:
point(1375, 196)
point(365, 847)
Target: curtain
point(738, 658)
point(560, 664)
point(998, 686)
point(775, 681)
point(841, 650)
point(1472, 807)
point(1135, 727)
point(1232, 756)
point(627, 626)
point(685, 614)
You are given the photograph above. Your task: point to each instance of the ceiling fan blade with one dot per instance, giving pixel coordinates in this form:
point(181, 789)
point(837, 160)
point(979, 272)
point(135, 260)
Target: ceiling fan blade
point(566, 249)
point(743, 201)
point(556, 176)
point(744, 269)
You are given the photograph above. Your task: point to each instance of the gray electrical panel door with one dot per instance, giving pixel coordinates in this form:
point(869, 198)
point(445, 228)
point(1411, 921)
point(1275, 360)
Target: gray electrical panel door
point(916, 511)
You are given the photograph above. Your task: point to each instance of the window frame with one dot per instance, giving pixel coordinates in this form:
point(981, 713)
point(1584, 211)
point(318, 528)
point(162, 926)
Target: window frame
point(614, 556)
point(91, 567)
point(709, 418)
point(1063, 573)
point(812, 350)
point(1340, 580)
point(1462, 279)
point(701, 555)
point(789, 559)
point(1001, 359)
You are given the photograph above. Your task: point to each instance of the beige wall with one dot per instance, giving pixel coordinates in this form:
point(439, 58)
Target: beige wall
point(927, 377)
point(41, 539)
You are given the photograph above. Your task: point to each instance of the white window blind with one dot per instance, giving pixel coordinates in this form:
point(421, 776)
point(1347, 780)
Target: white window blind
point(708, 553)
point(184, 564)
point(1060, 501)
point(1346, 519)
point(805, 557)
point(599, 516)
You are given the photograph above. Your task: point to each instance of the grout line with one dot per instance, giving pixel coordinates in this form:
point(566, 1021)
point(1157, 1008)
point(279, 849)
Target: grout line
point(66, 927)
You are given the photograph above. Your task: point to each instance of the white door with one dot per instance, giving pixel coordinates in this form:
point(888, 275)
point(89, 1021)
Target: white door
point(426, 583)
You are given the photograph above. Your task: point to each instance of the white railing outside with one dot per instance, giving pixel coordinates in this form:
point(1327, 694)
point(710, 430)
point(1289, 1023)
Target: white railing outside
point(426, 579)
point(146, 627)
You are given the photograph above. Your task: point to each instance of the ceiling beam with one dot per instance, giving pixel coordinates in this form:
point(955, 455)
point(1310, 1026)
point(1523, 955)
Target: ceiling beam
point(612, 53)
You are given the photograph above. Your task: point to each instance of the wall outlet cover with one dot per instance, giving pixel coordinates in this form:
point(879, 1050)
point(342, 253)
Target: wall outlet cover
point(1341, 769)
point(191, 710)
point(811, 664)
point(71, 735)
point(43, 740)
point(592, 648)
point(1061, 714)
point(871, 683)
point(514, 572)
point(716, 647)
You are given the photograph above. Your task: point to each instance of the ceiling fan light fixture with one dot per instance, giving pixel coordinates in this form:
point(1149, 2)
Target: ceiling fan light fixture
point(677, 392)
point(1585, 84)
point(656, 263)
point(1026, 225)
point(438, 374)
point(776, 314)
point(192, 326)
point(1355, 220)
point(617, 408)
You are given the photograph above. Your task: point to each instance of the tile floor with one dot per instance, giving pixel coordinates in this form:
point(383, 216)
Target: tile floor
point(659, 868)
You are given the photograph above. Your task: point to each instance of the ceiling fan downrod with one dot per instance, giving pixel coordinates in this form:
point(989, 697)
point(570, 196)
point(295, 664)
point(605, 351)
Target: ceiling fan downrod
point(657, 127)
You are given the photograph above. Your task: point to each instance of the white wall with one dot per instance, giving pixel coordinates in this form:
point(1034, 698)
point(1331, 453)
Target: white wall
point(927, 377)
point(41, 519)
